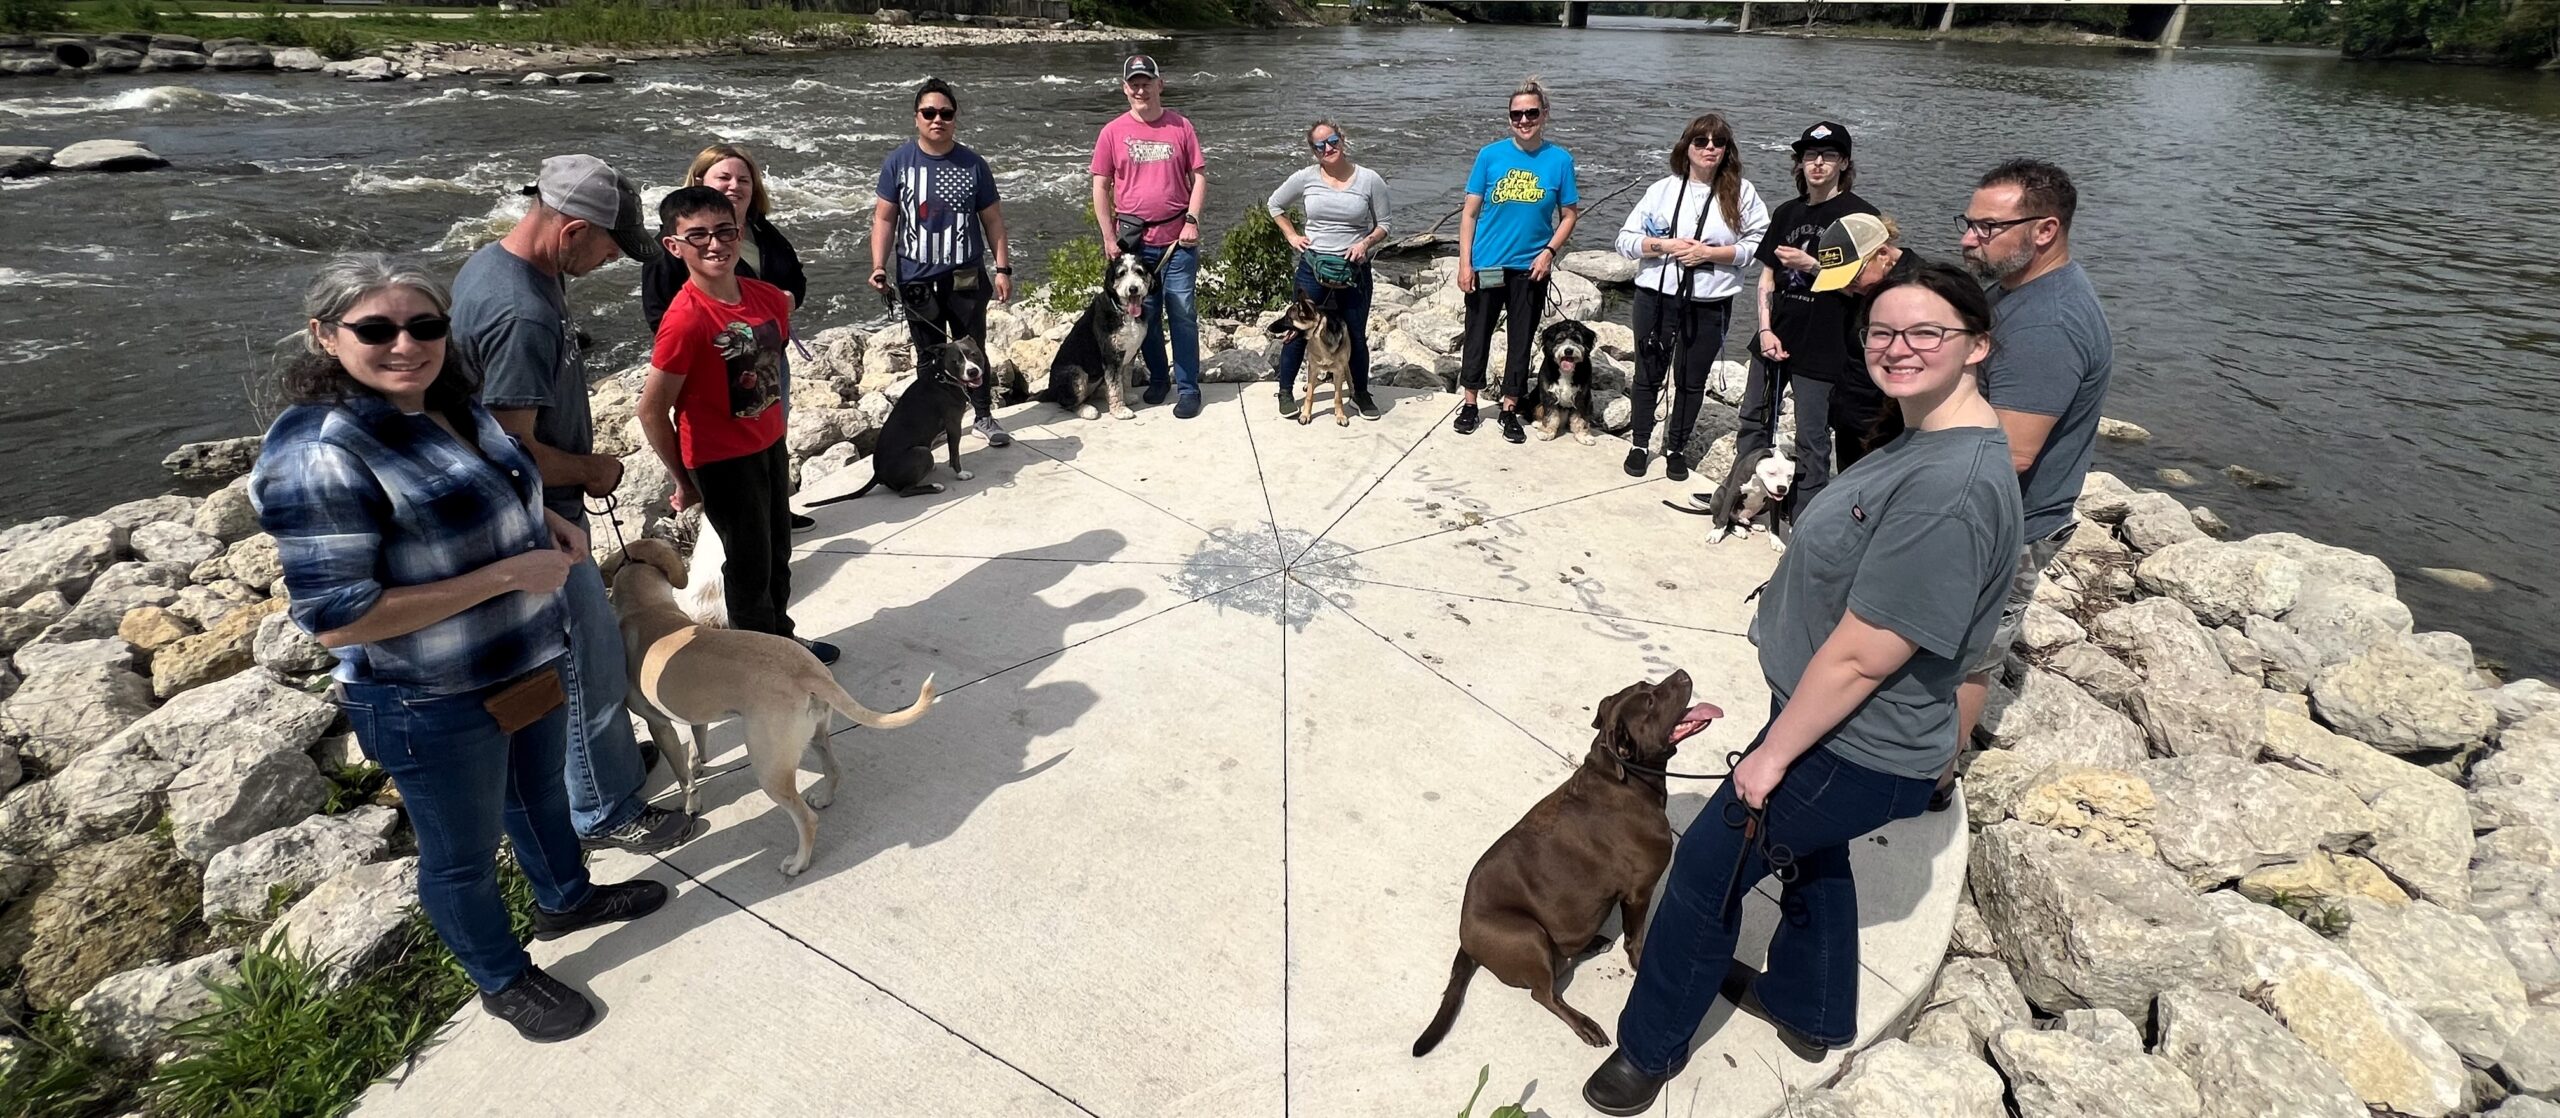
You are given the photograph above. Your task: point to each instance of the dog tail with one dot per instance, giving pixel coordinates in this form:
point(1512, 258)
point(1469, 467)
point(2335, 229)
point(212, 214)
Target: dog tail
point(866, 488)
point(1461, 969)
point(1691, 510)
point(834, 696)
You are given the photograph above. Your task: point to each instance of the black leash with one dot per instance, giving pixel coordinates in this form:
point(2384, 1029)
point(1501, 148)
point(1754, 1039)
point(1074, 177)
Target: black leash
point(1753, 822)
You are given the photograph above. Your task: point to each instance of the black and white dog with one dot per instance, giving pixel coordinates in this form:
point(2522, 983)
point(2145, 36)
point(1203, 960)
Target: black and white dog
point(1096, 360)
point(1562, 393)
point(1758, 496)
point(935, 406)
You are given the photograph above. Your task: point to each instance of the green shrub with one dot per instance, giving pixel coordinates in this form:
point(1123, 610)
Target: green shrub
point(1253, 271)
point(1075, 273)
point(330, 38)
point(139, 15)
point(33, 15)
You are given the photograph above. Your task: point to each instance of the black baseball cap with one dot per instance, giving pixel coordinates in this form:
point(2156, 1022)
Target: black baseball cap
point(1139, 65)
point(1826, 134)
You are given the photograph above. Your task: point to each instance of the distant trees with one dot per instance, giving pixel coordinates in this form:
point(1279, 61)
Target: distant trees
point(2509, 32)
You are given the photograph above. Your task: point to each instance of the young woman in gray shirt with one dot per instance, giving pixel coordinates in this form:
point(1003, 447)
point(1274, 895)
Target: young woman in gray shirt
point(1893, 583)
point(1346, 211)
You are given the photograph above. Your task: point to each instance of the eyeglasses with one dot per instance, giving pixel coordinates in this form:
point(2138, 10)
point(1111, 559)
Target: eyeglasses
point(1985, 230)
point(938, 114)
point(1821, 155)
point(1524, 116)
point(1326, 144)
point(382, 331)
point(1924, 338)
point(702, 238)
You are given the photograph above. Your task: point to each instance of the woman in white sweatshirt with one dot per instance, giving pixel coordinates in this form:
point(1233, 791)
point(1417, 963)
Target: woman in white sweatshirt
point(1695, 231)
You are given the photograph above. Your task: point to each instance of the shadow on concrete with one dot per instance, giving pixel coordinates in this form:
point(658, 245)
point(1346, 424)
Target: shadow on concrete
point(865, 522)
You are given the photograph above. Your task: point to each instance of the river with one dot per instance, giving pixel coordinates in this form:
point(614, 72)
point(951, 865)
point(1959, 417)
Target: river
point(2341, 274)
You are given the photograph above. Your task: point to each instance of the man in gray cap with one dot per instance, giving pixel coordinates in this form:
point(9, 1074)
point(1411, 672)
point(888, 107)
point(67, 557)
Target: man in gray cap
point(511, 319)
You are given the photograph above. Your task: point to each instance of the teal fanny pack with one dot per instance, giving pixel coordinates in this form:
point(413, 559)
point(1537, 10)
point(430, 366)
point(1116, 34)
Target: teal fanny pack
point(1333, 269)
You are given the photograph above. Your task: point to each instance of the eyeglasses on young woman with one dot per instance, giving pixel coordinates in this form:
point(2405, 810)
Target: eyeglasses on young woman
point(1924, 338)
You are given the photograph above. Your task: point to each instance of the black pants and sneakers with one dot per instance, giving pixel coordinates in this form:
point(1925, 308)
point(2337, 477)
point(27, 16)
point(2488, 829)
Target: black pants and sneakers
point(745, 500)
point(1767, 384)
point(937, 311)
point(542, 1008)
point(1676, 339)
point(1517, 303)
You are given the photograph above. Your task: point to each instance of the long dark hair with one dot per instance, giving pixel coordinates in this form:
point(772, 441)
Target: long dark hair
point(1728, 176)
point(314, 377)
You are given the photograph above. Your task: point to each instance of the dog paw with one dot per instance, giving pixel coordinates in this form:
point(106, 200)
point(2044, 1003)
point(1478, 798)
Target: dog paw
point(792, 864)
point(1088, 412)
point(1342, 421)
point(819, 796)
point(963, 475)
point(1777, 545)
point(1585, 439)
point(1123, 413)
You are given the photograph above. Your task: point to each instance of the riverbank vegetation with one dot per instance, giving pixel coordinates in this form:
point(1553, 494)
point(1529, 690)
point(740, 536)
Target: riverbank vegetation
point(342, 32)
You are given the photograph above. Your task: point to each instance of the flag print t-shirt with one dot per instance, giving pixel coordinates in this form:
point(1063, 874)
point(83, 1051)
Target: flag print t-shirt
point(731, 356)
point(1524, 194)
point(938, 198)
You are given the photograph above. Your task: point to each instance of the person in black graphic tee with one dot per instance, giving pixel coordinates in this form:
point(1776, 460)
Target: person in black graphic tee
point(1802, 336)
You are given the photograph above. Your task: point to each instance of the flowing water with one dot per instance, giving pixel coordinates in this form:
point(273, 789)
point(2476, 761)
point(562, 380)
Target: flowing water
point(2340, 274)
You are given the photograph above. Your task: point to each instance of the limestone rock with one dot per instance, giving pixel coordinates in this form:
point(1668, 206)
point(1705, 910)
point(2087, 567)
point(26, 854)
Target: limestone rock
point(2049, 704)
point(168, 508)
point(2387, 1053)
point(2122, 431)
point(1993, 780)
point(2045, 630)
point(130, 1015)
point(2107, 809)
point(254, 561)
point(11, 772)
point(2161, 638)
point(152, 628)
point(2103, 497)
point(238, 881)
point(2444, 965)
point(2517, 784)
point(2523, 699)
point(227, 515)
point(2241, 654)
point(65, 712)
point(110, 908)
point(242, 58)
point(96, 652)
point(283, 648)
point(2209, 522)
point(2531, 939)
point(1600, 267)
point(222, 651)
point(164, 59)
point(362, 69)
point(2083, 927)
point(109, 793)
point(2223, 583)
point(2220, 817)
point(107, 155)
point(2396, 699)
point(2321, 882)
point(239, 791)
point(2214, 716)
point(2532, 1060)
point(101, 611)
point(1892, 1079)
point(2152, 530)
point(2244, 1064)
point(2105, 1028)
point(354, 920)
point(1568, 295)
point(250, 710)
point(2325, 565)
point(17, 627)
point(2338, 622)
point(1972, 1000)
point(30, 823)
point(2059, 1075)
point(1972, 936)
point(63, 560)
point(166, 542)
point(2449, 649)
point(2290, 663)
point(17, 162)
point(299, 60)
point(2424, 841)
point(2099, 673)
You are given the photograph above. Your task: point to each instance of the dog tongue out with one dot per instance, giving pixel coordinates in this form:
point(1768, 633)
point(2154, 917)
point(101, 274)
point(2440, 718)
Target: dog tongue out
point(1694, 720)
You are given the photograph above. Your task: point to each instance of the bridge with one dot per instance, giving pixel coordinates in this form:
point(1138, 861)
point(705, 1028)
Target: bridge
point(2162, 23)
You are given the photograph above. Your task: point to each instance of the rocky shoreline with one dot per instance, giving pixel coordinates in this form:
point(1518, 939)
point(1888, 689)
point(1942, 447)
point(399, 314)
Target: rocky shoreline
point(2244, 842)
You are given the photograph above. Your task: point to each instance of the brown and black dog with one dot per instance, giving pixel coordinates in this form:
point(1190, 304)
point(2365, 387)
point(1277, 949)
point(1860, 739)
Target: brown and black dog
point(1542, 891)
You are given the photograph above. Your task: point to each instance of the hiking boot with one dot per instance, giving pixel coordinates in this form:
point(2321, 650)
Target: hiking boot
point(801, 524)
point(1155, 394)
point(1675, 465)
point(654, 830)
point(1186, 406)
point(1368, 408)
point(1635, 461)
point(1511, 429)
point(1288, 403)
point(542, 1008)
point(606, 904)
point(1740, 987)
point(1616, 1087)
point(987, 428)
point(1467, 419)
point(826, 653)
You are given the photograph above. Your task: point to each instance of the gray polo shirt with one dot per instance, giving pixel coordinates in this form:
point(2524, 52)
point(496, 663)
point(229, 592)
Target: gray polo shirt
point(2050, 355)
point(512, 321)
point(1921, 538)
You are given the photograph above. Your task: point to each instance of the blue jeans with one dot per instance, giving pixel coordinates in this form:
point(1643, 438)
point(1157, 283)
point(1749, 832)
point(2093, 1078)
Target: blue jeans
point(464, 783)
point(1811, 982)
point(603, 772)
point(1351, 305)
point(1173, 299)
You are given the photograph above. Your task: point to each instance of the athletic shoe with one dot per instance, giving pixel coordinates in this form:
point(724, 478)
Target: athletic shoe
point(826, 653)
point(1361, 403)
point(1288, 403)
point(801, 524)
point(541, 1007)
point(1511, 429)
point(1618, 1088)
point(1186, 406)
point(1675, 465)
point(1635, 462)
point(992, 431)
point(1467, 419)
point(654, 830)
point(606, 904)
point(1155, 394)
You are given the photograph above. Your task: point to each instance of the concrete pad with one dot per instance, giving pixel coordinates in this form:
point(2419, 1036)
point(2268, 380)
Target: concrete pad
point(1315, 473)
point(1202, 470)
point(1044, 509)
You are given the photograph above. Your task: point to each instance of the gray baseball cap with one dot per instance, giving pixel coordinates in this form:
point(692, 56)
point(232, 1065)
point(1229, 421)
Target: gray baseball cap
point(586, 188)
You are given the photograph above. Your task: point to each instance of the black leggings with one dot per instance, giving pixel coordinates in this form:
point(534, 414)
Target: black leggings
point(935, 306)
point(1680, 337)
point(1519, 302)
point(747, 501)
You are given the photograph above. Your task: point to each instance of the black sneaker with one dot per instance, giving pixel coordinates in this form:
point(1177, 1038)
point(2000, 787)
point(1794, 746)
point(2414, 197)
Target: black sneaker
point(1943, 796)
point(801, 524)
point(607, 904)
point(1368, 408)
point(1288, 403)
point(655, 830)
point(1675, 465)
point(1511, 429)
point(1616, 1087)
point(826, 653)
point(542, 1008)
point(1155, 394)
point(1467, 419)
point(1636, 459)
point(1187, 406)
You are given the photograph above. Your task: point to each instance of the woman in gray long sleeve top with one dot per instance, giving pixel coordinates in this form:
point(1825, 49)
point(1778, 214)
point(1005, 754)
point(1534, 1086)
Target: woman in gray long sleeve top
point(1346, 214)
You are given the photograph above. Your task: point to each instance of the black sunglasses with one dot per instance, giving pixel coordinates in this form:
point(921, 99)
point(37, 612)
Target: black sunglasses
point(1708, 142)
point(1525, 115)
point(938, 114)
point(382, 331)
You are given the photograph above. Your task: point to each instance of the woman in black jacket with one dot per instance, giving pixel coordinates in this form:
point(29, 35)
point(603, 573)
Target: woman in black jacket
point(764, 253)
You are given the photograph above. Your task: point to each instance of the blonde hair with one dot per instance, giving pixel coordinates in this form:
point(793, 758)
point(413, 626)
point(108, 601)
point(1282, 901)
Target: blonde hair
point(1529, 87)
point(761, 203)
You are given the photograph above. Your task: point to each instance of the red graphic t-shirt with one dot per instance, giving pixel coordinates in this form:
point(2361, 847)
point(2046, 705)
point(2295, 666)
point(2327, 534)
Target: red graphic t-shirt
point(731, 356)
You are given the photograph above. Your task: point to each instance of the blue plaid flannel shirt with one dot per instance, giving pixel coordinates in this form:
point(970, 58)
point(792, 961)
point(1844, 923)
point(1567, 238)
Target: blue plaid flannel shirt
point(362, 498)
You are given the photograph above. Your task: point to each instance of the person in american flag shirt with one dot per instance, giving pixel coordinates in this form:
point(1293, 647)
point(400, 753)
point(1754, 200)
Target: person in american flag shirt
point(934, 233)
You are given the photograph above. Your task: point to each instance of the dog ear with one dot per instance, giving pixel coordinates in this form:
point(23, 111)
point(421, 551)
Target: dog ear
point(659, 554)
point(1609, 746)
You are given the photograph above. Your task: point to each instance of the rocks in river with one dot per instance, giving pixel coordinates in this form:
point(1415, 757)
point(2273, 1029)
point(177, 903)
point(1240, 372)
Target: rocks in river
point(215, 462)
point(27, 65)
point(62, 560)
point(585, 77)
point(2248, 478)
point(537, 79)
point(242, 56)
point(2056, 1074)
point(2122, 431)
point(20, 162)
point(2222, 583)
point(160, 59)
point(2221, 817)
point(363, 69)
point(299, 60)
point(108, 59)
point(107, 155)
point(2459, 579)
point(2082, 927)
point(2446, 966)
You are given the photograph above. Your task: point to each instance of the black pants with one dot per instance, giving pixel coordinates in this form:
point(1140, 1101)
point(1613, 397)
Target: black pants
point(747, 501)
point(1518, 302)
point(1767, 385)
point(937, 311)
point(1860, 422)
point(1679, 338)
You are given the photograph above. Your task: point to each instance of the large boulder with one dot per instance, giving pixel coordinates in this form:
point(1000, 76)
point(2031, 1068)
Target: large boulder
point(101, 611)
point(2054, 1074)
point(2321, 883)
point(2338, 622)
point(17, 162)
point(353, 921)
point(2202, 715)
point(2244, 1064)
point(363, 69)
point(2532, 1060)
point(255, 562)
point(222, 651)
point(251, 710)
point(131, 1015)
point(2223, 583)
point(67, 711)
point(1600, 267)
point(2082, 927)
point(2326, 565)
point(63, 560)
point(2099, 673)
point(162, 541)
point(2386, 1052)
point(94, 652)
point(239, 791)
point(289, 861)
point(108, 793)
point(2515, 785)
point(227, 514)
point(282, 647)
point(1972, 1001)
point(2395, 698)
point(108, 155)
point(2162, 639)
point(2081, 729)
point(1570, 296)
point(242, 57)
point(1894, 1079)
point(2221, 817)
point(2446, 966)
point(2108, 809)
point(110, 908)
point(2524, 698)
point(2290, 663)
point(168, 508)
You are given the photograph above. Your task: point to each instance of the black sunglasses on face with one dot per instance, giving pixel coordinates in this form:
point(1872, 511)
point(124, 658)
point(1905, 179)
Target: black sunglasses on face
point(938, 114)
point(1326, 144)
point(382, 331)
point(1526, 115)
point(1707, 142)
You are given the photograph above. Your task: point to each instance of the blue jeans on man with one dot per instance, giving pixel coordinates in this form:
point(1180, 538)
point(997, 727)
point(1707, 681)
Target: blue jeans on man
point(1349, 305)
point(1173, 299)
point(602, 772)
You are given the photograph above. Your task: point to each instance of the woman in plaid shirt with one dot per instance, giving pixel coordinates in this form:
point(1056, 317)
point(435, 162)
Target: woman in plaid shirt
point(416, 548)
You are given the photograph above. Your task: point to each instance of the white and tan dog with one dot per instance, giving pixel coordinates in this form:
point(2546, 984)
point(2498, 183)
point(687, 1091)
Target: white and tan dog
point(684, 672)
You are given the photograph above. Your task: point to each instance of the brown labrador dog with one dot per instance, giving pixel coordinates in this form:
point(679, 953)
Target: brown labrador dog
point(1542, 891)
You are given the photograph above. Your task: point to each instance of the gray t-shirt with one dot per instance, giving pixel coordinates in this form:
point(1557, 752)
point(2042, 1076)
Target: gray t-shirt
point(2050, 355)
point(1335, 216)
point(1920, 537)
point(512, 321)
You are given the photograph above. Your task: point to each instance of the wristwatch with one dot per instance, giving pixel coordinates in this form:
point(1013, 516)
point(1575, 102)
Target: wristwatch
point(1192, 218)
point(1004, 269)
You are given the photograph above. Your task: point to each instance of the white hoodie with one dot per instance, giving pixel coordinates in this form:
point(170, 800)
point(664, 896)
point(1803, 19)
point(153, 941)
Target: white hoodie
point(1652, 217)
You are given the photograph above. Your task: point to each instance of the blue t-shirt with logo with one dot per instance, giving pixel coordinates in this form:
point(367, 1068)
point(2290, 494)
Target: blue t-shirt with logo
point(1524, 194)
point(938, 198)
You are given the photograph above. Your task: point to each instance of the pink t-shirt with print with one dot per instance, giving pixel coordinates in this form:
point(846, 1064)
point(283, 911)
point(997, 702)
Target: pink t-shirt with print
point(1150, 166)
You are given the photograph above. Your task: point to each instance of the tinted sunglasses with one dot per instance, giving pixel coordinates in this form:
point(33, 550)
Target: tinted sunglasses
point(938, 114)
point(383, 331)
point(1326, 144)
point(1525, 115)
point(1708, 142)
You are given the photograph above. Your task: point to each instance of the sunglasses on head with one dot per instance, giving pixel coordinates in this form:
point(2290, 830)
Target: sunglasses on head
point(1526, 115)
point(382, 331)
point(932, 113)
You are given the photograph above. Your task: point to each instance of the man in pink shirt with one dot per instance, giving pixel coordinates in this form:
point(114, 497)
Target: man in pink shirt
point(1149, 182)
